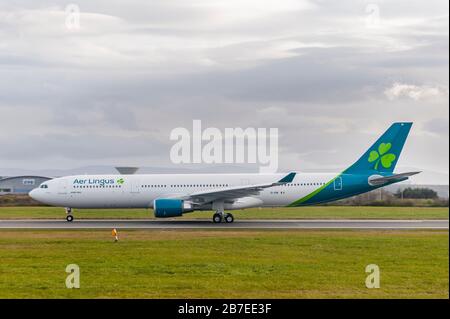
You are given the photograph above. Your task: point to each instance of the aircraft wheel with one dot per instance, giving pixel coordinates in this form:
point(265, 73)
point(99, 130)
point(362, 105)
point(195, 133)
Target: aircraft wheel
point(69, 218)
point(217, 218)
point(229, 218)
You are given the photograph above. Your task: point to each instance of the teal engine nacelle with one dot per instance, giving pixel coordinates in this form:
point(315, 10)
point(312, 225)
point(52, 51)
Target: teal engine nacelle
point(170, 207)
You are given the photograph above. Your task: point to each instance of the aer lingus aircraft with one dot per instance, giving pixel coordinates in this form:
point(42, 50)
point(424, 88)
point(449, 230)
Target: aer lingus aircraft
point(172, 195)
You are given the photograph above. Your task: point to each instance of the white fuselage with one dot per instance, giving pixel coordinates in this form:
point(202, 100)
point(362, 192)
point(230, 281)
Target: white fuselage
point(139, 191)
point(171, 195)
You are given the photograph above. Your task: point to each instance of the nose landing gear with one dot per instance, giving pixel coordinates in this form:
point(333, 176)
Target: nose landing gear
point(69, 216)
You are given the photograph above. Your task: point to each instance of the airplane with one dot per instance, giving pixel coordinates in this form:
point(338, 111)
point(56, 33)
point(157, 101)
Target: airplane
point(172, 195)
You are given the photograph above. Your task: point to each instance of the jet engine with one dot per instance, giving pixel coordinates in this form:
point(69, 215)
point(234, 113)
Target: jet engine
point(170, 207)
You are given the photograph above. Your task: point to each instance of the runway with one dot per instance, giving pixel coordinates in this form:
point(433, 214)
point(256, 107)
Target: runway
point(208, 224)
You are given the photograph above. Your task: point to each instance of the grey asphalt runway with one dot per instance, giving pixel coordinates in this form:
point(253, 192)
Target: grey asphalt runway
point(246, 224)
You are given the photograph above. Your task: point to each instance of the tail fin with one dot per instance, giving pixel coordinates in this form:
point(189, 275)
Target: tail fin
point(383, 155)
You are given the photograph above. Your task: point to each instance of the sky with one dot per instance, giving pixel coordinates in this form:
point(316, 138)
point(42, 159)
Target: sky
point(104, 82)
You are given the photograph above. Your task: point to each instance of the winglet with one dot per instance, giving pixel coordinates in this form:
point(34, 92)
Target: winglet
point(288, 178)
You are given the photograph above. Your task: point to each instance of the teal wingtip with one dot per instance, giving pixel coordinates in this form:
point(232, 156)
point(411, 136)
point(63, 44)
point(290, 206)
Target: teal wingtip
point(288, 178)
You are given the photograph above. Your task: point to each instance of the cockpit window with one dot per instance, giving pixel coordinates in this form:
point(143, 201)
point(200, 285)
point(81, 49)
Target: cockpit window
point(44, 186)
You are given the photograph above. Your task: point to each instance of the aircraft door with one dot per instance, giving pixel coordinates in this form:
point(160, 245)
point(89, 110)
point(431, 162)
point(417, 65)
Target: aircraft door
point(135, 187)
point(338, 184)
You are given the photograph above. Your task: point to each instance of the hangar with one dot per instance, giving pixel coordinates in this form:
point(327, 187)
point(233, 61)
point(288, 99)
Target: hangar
point(20, 184)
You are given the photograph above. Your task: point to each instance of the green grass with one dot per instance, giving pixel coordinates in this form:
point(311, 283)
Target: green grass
point(224, 264)
point(310, 212)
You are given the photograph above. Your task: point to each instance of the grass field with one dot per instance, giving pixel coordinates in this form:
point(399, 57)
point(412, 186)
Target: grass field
point(231, 264)
point(310, 212)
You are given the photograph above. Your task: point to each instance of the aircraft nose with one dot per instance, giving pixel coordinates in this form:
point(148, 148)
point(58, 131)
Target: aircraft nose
point(34, 194)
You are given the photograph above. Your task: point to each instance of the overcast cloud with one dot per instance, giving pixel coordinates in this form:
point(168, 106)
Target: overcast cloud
point(330, 75)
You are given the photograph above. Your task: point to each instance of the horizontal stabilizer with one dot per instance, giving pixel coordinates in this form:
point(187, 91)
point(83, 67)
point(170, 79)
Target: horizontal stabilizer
point(379, 180)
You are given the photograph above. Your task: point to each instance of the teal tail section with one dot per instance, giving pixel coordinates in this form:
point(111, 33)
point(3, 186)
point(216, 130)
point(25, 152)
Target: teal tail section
point(383, 155)
point(379, 159)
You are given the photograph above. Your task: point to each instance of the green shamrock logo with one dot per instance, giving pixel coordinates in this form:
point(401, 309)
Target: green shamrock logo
point(382, 156)
point(120, 181)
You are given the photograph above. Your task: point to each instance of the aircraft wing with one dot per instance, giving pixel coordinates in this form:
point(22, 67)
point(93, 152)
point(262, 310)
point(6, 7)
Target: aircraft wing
point(392, 178)
point(234, 192)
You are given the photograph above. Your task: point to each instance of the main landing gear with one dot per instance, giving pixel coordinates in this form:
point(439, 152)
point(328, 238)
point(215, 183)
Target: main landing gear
point(218, 217)
point(69, 216)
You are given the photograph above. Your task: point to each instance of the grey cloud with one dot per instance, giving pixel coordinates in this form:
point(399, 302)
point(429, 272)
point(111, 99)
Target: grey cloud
point(438, 126)
point(79, 145)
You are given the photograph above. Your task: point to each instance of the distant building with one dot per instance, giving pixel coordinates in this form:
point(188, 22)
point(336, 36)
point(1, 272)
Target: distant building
point(126, 170)
point(20, 184)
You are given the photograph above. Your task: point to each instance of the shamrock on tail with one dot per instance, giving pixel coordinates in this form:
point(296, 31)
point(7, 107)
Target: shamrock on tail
point(381, 156)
